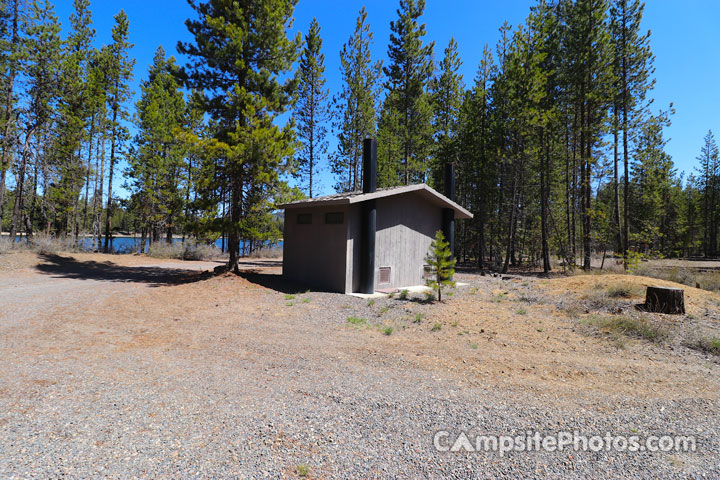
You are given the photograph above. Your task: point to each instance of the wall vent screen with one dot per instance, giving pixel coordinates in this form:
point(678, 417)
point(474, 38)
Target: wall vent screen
point(384, 276)
point(427, 272)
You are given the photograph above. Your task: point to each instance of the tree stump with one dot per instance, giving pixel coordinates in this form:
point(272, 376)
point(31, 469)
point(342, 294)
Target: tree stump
point(665, 300)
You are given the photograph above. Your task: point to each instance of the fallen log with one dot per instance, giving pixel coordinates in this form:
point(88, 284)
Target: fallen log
point(665, 300)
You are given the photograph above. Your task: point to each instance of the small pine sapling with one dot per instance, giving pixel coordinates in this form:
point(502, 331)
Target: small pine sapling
point(441, 265)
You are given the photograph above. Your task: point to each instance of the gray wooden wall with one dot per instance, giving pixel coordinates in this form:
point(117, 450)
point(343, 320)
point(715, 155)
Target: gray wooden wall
point(315, 255)
point(406, 224)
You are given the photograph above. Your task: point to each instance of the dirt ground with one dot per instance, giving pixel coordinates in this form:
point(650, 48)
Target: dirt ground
point(133, 367)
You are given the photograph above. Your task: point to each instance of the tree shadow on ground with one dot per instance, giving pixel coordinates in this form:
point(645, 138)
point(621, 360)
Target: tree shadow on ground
point(69, 267)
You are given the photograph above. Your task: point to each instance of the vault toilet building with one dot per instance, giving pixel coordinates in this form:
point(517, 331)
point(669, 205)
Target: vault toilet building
point(370, 240)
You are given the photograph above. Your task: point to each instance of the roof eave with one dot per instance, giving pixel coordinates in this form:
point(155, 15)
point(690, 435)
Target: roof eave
point(319, 203)
point(460, 212)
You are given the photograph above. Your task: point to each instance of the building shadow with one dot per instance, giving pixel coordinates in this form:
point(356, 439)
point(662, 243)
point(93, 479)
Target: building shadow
point(245, 262)
point(68, 267)
point(275, 281)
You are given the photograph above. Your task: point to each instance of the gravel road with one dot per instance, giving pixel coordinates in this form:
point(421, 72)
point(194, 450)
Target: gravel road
point(151, 370)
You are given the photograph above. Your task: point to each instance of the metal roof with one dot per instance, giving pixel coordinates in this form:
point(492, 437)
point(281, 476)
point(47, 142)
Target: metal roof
point(357, 197)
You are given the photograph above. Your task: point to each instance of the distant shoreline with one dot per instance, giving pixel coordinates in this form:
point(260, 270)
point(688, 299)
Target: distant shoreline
point(87, 235)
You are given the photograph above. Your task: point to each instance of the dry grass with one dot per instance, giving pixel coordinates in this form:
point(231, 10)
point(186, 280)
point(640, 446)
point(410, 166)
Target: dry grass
point(686, 276)
point(275, 252)
point(42, 244)
point(5, 245)
point(624, 290)
point(184, 251)
point(705, 344)
point(627, 325)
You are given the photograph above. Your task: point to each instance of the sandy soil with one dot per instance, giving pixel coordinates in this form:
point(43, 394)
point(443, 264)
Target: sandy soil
point(124, 362)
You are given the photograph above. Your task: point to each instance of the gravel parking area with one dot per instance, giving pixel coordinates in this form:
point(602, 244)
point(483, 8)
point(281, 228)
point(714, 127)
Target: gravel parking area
point(129, 367)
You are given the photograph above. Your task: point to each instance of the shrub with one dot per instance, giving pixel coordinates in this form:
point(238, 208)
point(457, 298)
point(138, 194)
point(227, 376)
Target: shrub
point(371, 302)
point(302, 470)
point(183, 251)
point(387, 331)
point(436, 328)
point(404, 294)
point(356, 320)
point(274, 252)
point(418, 318)
point(49, 245)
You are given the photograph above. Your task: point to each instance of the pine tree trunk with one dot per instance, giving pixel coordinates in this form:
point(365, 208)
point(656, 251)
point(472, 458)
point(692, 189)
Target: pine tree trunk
point(626, 169)
point(544, 205)
point(19, 204)
point(616, 183)
point(87, 176)
point(511, 230)
point(99, 193)
point(235, 217)
point(7, 141)
point(108, 212)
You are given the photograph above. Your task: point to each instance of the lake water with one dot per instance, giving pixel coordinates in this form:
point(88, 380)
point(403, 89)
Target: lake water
point(132, 244)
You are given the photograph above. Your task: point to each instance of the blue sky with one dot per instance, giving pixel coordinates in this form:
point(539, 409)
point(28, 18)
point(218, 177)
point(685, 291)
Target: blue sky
point(684, 38)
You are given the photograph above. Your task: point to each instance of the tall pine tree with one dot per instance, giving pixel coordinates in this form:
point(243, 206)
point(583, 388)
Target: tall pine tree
point(311, 111)
point(241, 49)
point(446, 93)
point(355, 105)
point(157, 165)
point(119, 70)
point(633, 70)
point(407, 74)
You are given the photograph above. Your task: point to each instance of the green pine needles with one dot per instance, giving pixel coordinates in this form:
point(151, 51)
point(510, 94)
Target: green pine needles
point(441, 265)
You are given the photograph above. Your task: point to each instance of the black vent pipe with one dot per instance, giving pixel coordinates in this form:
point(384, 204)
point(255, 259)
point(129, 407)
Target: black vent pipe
point(368, 217)
point(449, 213)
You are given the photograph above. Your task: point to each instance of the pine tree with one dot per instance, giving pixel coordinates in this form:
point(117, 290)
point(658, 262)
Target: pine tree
point(390, 146)
point(72, 119)
point(709, 178)
point(41, 59)
point(653, 179)
point(633, 65)
point(240, 50)
point(157, 165)
point(10, 53)
point(311, 111)
point(475, 169)
point(545, 119)
point(587, 48)
point(446, 93)
point(355, 105)
point(119, 71)
point(441, 265)
point(408, 72)
point(98, 96)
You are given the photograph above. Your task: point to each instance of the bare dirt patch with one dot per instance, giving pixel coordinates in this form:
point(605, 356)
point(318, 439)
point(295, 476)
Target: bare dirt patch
point(146, 367)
